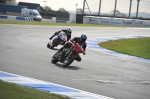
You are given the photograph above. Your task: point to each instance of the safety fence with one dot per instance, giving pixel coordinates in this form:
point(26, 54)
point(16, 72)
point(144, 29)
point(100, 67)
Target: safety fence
point(138, 9)
point(115, 21)
point(20, 18)
point(16, 18)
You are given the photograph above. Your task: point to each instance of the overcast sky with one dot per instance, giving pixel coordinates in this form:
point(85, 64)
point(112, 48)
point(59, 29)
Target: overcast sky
point(107, 5)
point(56, 4)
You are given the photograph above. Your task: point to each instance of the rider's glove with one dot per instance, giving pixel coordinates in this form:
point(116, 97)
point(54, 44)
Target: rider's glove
point(72, 41)
point(62, 43)
point(83, 53)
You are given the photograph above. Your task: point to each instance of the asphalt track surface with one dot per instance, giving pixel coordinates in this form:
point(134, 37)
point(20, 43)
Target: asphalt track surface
point(23, 51)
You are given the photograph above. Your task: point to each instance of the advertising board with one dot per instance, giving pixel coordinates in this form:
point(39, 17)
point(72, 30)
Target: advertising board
point(105, 20)
point(117, 21)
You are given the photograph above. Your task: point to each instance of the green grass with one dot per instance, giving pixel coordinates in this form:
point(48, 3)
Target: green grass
point(54, 24)
point(14, 91)
point(139, 47)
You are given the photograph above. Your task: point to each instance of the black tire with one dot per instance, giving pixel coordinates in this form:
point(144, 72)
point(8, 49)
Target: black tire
point(54, 59)
point(51, 47)
point(70, 59)
point(48, 45)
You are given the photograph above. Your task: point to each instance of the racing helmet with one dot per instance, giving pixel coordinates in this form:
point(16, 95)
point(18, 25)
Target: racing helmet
point(83, 37)
point(69, 31)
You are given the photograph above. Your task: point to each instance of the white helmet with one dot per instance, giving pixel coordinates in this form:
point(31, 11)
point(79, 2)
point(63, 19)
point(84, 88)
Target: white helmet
point(69, 30)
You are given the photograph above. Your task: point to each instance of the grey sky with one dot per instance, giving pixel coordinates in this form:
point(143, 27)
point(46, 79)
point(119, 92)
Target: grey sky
point(107, 5)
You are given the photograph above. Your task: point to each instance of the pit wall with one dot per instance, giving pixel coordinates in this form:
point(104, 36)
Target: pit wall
point(115, 21)
point(19, 18)
point(6, 17)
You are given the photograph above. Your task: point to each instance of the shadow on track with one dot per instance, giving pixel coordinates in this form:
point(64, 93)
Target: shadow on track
point(69, 67)
point(55, 49)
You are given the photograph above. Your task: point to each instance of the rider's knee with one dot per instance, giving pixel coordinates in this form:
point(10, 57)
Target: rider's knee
point(78, 58)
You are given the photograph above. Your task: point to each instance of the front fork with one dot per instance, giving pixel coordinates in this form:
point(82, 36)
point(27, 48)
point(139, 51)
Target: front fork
point(66, 55)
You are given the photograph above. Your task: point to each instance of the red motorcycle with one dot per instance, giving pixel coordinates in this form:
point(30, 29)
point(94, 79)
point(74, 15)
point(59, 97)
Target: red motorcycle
point(67, 55)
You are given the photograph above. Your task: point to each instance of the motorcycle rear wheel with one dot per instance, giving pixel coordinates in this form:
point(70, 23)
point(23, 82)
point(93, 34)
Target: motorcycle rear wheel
point(55, 44)
point(51, 47)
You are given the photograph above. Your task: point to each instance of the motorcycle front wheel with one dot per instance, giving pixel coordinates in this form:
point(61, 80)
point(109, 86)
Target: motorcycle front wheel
point(68, 60)
point(48, 45)
point(54, 59)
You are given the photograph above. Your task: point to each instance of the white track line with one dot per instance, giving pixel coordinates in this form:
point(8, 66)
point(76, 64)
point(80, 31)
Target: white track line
point(49, 87)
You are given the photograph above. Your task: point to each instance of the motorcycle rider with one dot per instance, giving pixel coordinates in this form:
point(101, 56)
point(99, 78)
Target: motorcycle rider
point(68, 31)
point(81, 41)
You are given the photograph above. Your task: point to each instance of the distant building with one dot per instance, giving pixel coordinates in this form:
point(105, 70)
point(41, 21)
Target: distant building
point(31, 5)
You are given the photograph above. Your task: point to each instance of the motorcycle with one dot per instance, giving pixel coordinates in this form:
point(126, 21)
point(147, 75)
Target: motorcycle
point(57, 40)
point(67, 55)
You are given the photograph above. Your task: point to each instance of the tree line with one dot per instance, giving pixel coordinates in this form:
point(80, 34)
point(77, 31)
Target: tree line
point(12, 2)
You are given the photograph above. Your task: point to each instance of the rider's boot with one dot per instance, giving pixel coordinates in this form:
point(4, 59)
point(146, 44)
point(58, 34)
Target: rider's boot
point(78, 58)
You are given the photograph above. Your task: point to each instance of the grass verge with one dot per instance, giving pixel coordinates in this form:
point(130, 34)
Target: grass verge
point(54, 24)
point(139, 47)
point(14, 91)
